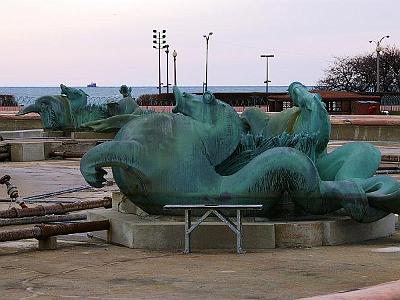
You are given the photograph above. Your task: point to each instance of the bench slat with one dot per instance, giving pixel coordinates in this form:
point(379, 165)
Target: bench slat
point(216, 206)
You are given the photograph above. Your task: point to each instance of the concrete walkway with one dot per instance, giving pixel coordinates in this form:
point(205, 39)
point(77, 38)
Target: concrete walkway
point(85, 269)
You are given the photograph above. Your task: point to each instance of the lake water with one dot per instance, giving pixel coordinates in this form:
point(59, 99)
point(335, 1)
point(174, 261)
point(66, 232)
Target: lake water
point(98, 95)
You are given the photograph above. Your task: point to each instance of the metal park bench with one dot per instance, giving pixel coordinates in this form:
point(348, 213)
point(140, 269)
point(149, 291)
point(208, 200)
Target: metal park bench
point(216, 210)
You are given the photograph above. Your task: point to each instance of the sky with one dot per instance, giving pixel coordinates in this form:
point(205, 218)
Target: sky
point(75, 42)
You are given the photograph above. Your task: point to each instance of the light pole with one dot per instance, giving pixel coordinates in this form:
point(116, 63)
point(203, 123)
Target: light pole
point(207, 37)
point(267, 56)
point(167, 52)
point(174, 55)
point(158, 40)
point(378, 50)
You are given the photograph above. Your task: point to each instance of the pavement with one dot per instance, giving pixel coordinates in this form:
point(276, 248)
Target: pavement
point(83, 268)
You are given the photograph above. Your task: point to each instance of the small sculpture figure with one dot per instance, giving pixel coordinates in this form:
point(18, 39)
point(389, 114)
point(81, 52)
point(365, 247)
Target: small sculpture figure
point(126, 105)
point(121, 113)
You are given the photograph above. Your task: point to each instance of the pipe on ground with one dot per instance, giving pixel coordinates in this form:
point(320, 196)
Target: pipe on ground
point(44, 231)
point(42, 219)
point(55, 209)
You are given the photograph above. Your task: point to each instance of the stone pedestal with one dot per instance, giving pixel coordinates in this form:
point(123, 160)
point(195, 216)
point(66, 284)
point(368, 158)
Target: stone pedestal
point(27, 151)
point(122, 204)
point(54, 134)
point(90, 135)
point(167, 233)
point(22, 134)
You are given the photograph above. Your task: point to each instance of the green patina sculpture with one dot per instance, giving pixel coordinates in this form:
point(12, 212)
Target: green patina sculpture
point(70, 110)
point(126, 105)
point(204, 152)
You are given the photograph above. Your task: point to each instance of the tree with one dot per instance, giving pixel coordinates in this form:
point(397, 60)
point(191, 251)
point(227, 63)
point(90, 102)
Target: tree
point(358, 73)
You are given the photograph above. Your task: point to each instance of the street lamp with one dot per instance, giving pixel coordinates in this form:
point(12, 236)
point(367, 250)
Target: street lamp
point(207, 37)
point(174, 55)
point(159, 41)
point(167, 52)
point(378, 50)
point(267, 81)
point(267, 56)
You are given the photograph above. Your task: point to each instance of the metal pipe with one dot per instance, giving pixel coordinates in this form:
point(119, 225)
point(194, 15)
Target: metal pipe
point(56, 209)
point(42, 219)
point(53, 201)
point(388, 171)
point(50, 194)
point(43, 231)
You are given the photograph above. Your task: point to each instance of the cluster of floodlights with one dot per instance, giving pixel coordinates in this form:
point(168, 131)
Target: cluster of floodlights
point(160, 43)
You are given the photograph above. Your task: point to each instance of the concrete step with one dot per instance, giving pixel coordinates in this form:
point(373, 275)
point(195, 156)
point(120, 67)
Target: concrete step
point(23, 134)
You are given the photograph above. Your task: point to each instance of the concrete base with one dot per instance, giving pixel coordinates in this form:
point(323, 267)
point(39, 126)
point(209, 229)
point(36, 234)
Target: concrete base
point(90, 135)
point(22, 134)
point(352, 132)
point(122, 204)
point(167, 233)
point(27, 151)
point(49, 243)
point(12, 122)
point(54, 133)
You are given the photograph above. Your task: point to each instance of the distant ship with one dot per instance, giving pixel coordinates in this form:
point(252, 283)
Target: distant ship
point(92, 84)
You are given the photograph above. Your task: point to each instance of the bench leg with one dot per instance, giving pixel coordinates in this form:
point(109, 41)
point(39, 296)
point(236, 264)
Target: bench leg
point(239, 227)
point(188, 235)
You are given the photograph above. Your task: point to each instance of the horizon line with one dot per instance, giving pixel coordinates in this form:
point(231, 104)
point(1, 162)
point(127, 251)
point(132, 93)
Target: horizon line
point(144, 86)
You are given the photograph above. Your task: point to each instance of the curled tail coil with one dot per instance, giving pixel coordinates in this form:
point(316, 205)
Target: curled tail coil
point(111, 154)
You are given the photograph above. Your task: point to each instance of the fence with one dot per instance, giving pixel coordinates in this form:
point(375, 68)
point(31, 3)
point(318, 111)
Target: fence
point(8, 100)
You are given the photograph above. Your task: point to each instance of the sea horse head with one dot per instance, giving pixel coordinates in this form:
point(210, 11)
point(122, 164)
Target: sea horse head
point(217, 123)
point(77, 97)
point(312, 118)
point(54, 111)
